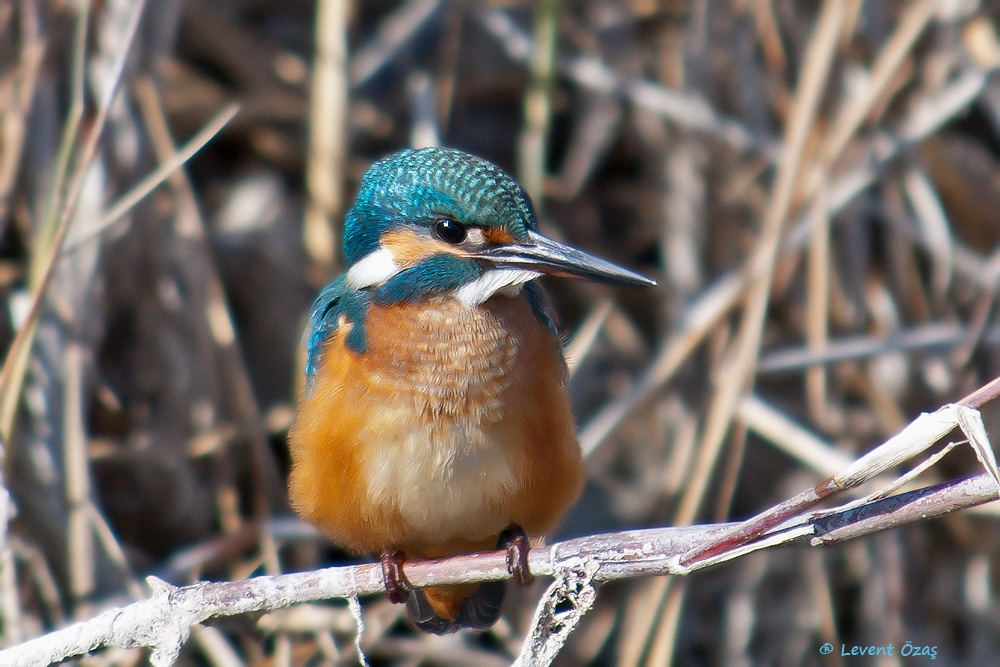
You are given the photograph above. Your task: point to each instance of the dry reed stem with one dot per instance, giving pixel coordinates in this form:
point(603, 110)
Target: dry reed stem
point(741, 361)
point(927, 116)
point(79, 543)
point(818, 277)
point(168, 166)
point(44, 263)
point(532, 145)
point(699, 321)
point(328, 110)
point(789, 437)
point(17, 90)
point(394, 32)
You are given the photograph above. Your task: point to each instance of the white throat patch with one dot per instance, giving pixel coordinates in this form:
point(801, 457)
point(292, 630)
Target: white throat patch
point(491, 282)
point(373, 269)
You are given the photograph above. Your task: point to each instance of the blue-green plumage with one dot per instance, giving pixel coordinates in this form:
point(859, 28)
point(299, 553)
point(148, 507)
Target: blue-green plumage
point(414, 187)
point(435, 275)
point(336, 300)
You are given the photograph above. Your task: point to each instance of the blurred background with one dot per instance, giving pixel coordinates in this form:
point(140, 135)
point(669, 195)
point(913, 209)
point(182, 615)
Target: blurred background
point(814, 184)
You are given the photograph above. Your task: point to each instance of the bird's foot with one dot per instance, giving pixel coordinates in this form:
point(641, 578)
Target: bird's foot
point(396, 585)
point(515, 542)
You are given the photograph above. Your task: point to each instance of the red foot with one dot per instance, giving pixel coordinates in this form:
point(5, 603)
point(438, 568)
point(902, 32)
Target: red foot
point(516, 543)
point(396, 584)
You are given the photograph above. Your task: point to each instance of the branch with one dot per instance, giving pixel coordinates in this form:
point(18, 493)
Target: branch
point(164, 621)
point(919, 435)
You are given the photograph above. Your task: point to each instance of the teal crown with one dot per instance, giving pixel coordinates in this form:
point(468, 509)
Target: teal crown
point(419, 186)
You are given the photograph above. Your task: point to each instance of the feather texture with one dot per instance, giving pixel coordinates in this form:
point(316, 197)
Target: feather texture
point(452, 425)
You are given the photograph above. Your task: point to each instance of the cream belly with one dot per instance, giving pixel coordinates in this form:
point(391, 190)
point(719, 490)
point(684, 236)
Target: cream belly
point(447, 481)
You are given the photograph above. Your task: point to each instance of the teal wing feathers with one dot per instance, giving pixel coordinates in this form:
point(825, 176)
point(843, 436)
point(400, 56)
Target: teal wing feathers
point(337, 303)
point(541, 306)
point(542, 309)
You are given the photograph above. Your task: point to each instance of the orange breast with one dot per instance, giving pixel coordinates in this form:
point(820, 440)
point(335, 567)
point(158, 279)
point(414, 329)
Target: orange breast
point(451, 426)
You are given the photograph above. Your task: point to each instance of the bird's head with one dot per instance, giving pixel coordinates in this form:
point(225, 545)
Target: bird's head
point(435, 221)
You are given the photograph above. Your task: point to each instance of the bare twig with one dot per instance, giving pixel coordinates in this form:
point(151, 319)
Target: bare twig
point(920, 434)
point(167, 167)
point(393, 33)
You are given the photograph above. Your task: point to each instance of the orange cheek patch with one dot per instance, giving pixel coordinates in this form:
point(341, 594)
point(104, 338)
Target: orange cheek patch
point(409, 248)
point(499, 236)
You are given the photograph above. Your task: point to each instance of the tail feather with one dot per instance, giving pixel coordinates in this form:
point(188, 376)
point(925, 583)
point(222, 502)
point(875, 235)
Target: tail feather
point(445, 610)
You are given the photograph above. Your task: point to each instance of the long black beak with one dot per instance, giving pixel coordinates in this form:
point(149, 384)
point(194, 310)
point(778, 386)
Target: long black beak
point(542, 254)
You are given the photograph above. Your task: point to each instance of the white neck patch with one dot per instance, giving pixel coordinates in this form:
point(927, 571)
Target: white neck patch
point(373, 269)
point(491, 282)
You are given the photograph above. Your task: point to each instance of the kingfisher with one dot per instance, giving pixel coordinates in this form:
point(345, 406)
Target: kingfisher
point(434, 418)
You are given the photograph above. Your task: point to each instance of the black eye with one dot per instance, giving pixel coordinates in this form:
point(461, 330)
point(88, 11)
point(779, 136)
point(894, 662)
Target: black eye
point(450, 231)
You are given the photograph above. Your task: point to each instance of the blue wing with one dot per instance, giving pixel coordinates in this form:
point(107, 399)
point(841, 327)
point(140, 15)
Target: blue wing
point(542, 306)
point(324, 318)
point(335, 304)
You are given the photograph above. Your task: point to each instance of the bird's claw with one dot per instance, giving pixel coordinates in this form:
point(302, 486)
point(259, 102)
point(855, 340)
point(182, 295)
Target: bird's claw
point(516, 543)
point(396, 585)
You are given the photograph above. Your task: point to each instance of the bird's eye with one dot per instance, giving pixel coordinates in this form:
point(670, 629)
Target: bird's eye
point(450, 231)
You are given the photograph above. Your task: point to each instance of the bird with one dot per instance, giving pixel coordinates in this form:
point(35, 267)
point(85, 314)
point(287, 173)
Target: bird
point(434, 418)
